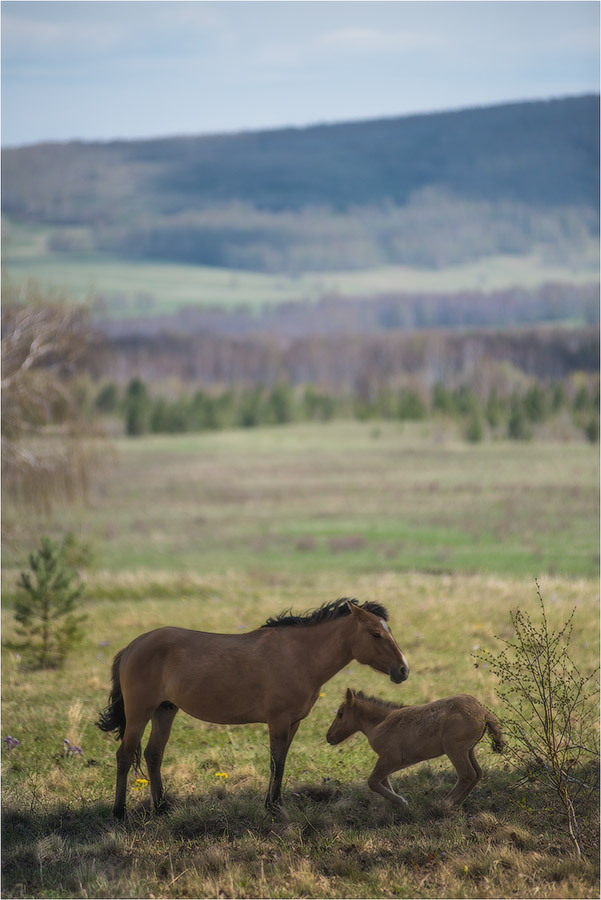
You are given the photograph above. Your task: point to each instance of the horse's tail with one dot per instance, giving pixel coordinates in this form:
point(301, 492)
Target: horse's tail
point(112, 718)
point(493, 726)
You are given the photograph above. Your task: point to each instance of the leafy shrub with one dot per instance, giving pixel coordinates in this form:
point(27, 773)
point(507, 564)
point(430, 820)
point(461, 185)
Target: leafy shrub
point(550, 715)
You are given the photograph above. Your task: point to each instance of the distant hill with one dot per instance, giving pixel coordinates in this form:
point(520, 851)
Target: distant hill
point(428, 190)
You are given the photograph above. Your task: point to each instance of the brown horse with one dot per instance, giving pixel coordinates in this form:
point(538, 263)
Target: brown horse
point(403, 736)
point(272, 674)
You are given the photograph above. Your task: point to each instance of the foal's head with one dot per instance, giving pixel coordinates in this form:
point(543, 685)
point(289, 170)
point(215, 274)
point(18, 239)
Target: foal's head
point(373, 645)
point(346, 721)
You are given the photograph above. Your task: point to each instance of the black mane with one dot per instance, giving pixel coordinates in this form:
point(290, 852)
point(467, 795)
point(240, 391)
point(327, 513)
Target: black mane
point(325, 613)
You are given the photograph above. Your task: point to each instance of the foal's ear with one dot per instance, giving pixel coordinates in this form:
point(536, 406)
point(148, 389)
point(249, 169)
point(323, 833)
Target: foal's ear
point(350, 697)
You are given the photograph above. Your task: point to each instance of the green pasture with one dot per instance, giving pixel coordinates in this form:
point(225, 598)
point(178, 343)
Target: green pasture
point(219, 531)
point(347, 496)
point(135, 289)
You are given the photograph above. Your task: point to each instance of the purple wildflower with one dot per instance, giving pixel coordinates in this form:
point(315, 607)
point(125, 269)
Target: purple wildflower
point(71, 749)
point(11, 741)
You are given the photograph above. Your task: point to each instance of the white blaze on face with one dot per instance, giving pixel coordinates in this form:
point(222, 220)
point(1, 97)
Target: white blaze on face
point(386, 628)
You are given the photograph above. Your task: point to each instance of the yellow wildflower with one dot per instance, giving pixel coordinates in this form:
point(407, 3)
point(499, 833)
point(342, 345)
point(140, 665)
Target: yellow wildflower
point(221, 775)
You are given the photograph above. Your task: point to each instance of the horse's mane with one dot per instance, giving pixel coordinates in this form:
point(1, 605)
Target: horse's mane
point(387, 704)
point(325, 613)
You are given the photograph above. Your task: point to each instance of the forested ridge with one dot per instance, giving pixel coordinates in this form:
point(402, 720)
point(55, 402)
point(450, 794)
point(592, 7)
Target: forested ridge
point(428, 190)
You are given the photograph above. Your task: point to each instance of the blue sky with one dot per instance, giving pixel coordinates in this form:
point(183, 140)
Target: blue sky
point(121, 69)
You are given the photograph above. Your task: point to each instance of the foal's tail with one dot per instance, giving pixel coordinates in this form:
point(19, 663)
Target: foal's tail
point(113, 717)
point(493, 726)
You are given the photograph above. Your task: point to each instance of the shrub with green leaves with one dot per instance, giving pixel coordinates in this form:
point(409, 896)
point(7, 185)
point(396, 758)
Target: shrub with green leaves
point(46, 606)
point(550, 716)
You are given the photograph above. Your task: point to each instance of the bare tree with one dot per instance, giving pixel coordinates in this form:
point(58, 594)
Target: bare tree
point(45, 344)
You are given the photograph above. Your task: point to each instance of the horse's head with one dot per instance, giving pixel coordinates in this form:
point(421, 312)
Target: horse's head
point(373, 645)
point(345, 722)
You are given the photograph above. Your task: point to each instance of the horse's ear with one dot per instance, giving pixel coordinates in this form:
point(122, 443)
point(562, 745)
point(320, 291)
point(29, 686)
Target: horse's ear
point(350, 697)
point(357, 612)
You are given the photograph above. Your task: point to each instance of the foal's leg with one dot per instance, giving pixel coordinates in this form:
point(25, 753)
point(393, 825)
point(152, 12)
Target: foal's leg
point(126, 754)
point(280, 738)
point(469, 773)
point(474, 763)
point(379, 782)
point(162, 721)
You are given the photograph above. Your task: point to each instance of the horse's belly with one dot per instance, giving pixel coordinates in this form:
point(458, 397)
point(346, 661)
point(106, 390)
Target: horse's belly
point(211, 700)
point(208, 712)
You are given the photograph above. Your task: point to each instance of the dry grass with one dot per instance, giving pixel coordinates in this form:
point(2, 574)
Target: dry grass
point(336, 838)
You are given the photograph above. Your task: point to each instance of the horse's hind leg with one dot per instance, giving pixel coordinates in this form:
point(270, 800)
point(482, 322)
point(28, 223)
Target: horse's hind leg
point(469, 773)
point(126, 754)
point(162, 721)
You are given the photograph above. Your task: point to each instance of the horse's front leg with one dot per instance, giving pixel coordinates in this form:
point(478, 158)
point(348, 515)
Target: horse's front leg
point(280, 738)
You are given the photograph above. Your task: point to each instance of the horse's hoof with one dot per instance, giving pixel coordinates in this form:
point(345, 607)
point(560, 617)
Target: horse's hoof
point(275, 810)
point(119, 813)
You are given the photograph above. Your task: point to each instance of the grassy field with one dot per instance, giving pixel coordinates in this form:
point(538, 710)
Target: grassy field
point(336, 839)
point(346, 496)
point(125, 285)
point(218, 532)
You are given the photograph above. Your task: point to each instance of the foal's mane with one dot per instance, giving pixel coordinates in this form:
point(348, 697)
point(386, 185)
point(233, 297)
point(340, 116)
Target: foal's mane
point(377, 701)
point(325, 613)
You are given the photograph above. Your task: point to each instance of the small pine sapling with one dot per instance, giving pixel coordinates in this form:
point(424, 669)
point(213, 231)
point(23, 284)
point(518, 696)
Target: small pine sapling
point(45, 608)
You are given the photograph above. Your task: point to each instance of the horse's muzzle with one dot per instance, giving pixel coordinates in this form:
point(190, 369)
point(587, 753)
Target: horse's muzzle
point(400, 674)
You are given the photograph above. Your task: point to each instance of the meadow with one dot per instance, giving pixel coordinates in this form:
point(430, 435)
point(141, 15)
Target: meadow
point(124, 286)
point(218, 532)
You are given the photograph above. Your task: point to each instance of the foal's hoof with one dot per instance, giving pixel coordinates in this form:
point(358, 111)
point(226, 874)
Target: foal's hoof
point(403, 813)
point(119, 813)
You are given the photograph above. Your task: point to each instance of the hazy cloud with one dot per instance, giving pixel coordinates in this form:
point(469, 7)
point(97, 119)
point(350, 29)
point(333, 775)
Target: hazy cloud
point(372, 40)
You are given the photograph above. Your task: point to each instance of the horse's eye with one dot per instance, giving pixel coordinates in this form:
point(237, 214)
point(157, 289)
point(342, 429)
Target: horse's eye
point(339, 713)
point(376, 634)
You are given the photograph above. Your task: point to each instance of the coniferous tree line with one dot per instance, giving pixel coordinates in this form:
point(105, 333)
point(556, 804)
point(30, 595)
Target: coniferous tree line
point(517, 415)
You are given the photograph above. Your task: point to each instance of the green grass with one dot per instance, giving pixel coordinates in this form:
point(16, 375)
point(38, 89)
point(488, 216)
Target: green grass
point(146, 289)
point(221, 530)
point(347, 496)
point(336, 838)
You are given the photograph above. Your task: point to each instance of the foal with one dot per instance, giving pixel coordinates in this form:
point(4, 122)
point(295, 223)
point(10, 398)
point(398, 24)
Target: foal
point(403, 736)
